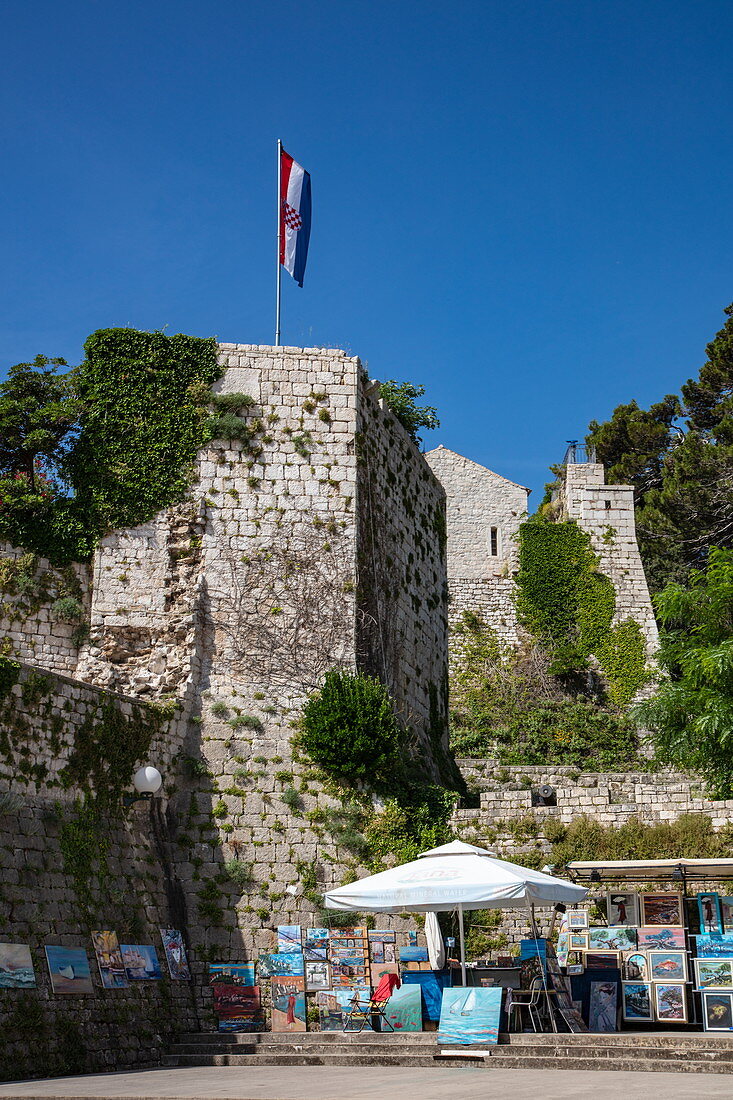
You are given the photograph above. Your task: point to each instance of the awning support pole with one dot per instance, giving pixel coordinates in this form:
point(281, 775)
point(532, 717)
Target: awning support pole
point(463, 943)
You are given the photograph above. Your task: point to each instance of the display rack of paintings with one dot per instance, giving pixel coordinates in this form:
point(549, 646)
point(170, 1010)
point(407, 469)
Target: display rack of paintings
point(717, 1011)
point(141, 962)
point(666, 966)
point(69, 969)
point(622, 908)
point(315, 948)
point(670, 1002)
point(577, 920)
point(288, 1003)
point(16, 966)
point(109, 960)
point(710, 913)
point(175, 954)
point(714, 973)
point(317, 976)
point(288, 937)
point(663, 939)
point(636, 1002)
point(603, 1009)
point(662, 909)
point(348, 969)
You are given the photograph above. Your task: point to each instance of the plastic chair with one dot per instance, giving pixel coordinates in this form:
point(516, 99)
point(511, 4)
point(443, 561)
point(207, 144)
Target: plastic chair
point(362, 1013)
point(533, 997)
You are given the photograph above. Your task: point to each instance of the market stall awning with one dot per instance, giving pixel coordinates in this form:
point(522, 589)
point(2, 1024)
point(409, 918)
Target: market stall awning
point(677, 870)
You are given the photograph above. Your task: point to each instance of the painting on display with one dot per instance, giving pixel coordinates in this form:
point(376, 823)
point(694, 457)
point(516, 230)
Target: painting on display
point(381, 935)
point(714, 973)
point(670, 1005)
point(288, 937)
point(635, 966)
point(382, 951)
point(412, 939)
point(281, 963)
point(317, 976)
point(470, 1015)
point(288, 1003)
point(663, 939)
point(315, 947)
point(600, 960)
point(714, 947)
point(378, 970)
point(622, 908)
point(717, 1011)
point(662, 909)
point(404, 1009)
point(562, 948)
point(726, 908)
point(175, 955)
point(710, 913)
point(577, 920)
point(636, 1002)
point(611, 939)
point(232, 973)
point(141, 962)
point(414, 958)
point(69, 969)
point(330, 1015)
point(16, 966)
point(603, 1008)
point(667, 966)
point(350, 939)
point(109, 960)
point(578, 941)
point(236, 1001)
point(351, 970)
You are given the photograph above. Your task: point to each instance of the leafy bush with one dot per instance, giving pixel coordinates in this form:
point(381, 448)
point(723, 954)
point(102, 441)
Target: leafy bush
point(401, 399)
point(239, 872)
point(349, 727)
point(691, 834)
point(68, 609)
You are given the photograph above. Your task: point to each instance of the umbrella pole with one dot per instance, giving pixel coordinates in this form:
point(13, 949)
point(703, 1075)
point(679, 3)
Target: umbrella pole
point(463, 943)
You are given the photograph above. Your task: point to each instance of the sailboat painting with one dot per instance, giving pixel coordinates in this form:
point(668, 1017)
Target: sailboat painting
point(470, 1015)
point(69, 970)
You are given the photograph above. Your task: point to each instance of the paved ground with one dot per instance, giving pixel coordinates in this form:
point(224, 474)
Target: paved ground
point(367, 1083)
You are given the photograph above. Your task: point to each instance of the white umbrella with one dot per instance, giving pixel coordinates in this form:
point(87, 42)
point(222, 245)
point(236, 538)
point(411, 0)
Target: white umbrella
point(454, 876)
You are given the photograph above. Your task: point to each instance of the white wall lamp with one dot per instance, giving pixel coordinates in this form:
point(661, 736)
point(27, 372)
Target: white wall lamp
point(147, 781)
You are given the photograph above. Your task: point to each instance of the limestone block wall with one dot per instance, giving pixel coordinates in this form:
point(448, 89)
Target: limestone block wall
point(606, 512)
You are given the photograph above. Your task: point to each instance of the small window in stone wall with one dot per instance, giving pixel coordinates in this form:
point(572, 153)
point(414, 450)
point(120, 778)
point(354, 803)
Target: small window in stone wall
point(494, 542)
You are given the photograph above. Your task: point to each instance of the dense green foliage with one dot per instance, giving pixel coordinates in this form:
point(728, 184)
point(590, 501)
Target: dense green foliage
point(39, 412)
point(682, 473)
point(692, 712)
point(401, 399)
point(508, 704)
point(349, 727)
point(691, 834)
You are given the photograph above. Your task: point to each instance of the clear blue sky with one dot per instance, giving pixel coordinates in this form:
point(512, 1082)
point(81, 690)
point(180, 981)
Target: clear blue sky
point(525, 207)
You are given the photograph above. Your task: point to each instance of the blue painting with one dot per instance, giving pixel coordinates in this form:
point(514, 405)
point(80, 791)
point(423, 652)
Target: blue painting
point(141, 962)
point(232, 973)
point(69, 969)
point(16, 966)
point(470, 1015)
point(316, 945)
point(404, 1009)
point(431, 984)
point(710, 913)
point(715, 947)
point(279, 964)
point(413, 954)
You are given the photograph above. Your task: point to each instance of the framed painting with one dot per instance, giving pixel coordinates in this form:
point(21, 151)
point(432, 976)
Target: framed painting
point(175, 955)
point(109, 960)
point(635, 966)
point(662, 909)
point(317, 976)
point(611, 939)
point(470, 1015)
point(726, 908)
point(717, 1011)
point(636, 1002)
point(69, 969)
point(661, 938)
point(598, 960)
point(288, 1003)
point(16, 966)
point(666, 966)
point(714, 947)
point(710, 913)
point(602, 1010)
point(670, 1003)
point(577, 920)
point(622, 908)
point(574, 969)
point(714, 973)
point(577, 941)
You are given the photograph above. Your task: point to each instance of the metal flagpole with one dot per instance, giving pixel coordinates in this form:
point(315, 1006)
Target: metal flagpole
point(279, 242)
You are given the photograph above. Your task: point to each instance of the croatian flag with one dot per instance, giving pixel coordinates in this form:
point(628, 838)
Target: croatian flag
point(295, 216)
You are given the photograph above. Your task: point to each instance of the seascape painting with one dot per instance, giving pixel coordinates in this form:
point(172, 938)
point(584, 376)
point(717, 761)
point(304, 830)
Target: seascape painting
point(315, 948)
point(141, 962)
point(16, 966)
point(69, 969)
point(236, 1001)
point(470, 1015)
point(288, 1004)
point(714, 973)
point(404, 1009)
point(232, 973)
point(577, 920)
point(661, 938)
point(175, 954)
point(330, 1015)
point(670, 1005)
point(717, 1011)
point(109, 960)
point(281, 963)
point(637, 1002)
point(622, 908)
point(602, 1009)
point(665, 966)
point(383, 935)
point(288, 937)
point(611, 939)
point(662, 909)
point(714, 947)
point(562, 948)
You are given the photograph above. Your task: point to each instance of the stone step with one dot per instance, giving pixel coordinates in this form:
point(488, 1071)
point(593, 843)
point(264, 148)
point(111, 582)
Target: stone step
point(326, 1058)
point(235, 1037)
point(626, 1062)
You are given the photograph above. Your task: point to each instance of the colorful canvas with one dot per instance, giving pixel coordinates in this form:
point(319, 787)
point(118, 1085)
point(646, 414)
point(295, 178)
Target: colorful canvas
point(601, 960)
point(622, 908)
point(382, 951)
point(281, 963)
point(661, 938)
point(714, 973)
point(317, 976)
point(141, 962)
point(714, 947)
point(412, 939)
point(711, 916)
point(330, 1016)
point(288, 1003)
point(288, 937)
point(315, 947)
point(635, 966)
point(16, 966)
point(236, 1001)
point(637, 1002)
point(577, 920)
point(242, 1023)
point(404, 1009)
point(562, 949)
point(726, 908)
point(175, 955)
point(350, 971)
point(354, 938)
point(662, 909)
point(717, 1011)
point(470, 1015)
point(378, 970)
point(413, 954)
point(109, 960)
point(667, 966)
point(602, 1008)
point(69, 970)
point(431, 986)
point(357, 997)
point(232, 973)
point(578, 941)
point(669, 1002)
point(611, 939)
point(383, 935)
